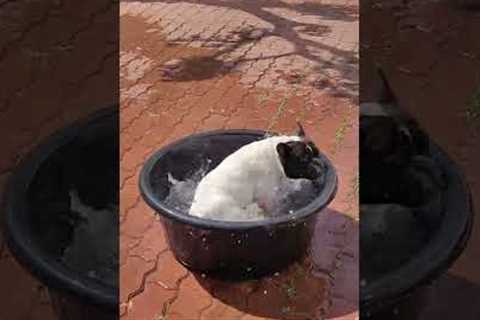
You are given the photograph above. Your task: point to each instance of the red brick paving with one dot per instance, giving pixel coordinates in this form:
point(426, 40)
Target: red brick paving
point(300, 63)
point(32, 303)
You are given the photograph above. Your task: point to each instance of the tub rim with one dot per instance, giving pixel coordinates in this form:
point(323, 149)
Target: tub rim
point(328, 193)
point(48, 270)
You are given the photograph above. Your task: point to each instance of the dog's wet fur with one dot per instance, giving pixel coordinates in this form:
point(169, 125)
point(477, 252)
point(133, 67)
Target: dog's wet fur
point(246, 184)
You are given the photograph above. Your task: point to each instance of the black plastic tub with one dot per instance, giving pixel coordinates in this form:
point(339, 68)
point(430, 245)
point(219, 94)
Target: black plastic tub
point(406, 288)
point(39, 222)
point(221, 248)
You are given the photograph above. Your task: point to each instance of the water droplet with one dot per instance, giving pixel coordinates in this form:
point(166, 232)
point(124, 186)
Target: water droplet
point(285, 309)
point(265, 292)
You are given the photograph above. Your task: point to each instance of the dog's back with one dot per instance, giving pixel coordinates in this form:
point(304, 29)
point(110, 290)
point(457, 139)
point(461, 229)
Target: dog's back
point(250, 173)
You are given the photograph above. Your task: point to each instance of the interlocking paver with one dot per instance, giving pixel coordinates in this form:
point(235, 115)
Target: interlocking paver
point(136, 268)
point(261, 64)
point(33, 299)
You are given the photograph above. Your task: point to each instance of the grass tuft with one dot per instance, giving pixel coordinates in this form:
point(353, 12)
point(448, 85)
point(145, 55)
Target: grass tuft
point(473, 110)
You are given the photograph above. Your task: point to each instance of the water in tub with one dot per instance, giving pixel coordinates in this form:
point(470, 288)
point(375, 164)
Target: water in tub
point(93, 250)
point(290, 196)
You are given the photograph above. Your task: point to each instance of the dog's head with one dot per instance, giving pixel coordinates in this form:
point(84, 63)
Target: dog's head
point(300, 159)
point(383, 139)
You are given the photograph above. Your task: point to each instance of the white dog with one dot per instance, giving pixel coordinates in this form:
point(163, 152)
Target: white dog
point(243, 186)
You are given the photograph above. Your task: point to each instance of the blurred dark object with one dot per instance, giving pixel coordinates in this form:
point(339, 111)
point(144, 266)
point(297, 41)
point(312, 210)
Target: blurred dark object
point(40, 222)
point(416, 215)
point(467, 4)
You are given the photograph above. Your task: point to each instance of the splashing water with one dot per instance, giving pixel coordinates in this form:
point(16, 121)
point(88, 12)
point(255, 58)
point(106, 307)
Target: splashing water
point(291, 196)
point(93, 250)
point(182, 192)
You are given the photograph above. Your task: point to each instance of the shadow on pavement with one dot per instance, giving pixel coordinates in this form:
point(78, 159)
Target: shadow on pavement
point(302, 291)
point(299, 34)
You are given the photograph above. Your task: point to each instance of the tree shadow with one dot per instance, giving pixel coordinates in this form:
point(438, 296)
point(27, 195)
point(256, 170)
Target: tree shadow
point(299, 34)
point(302, 290)
point(344, 12)
point(345, 84)
point(210, 65)
point(195, 68)
point(340, 12)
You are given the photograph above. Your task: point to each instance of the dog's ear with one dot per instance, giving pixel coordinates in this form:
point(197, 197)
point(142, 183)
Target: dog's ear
point(300, 131)
point(283, 150)
point(314, 148)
